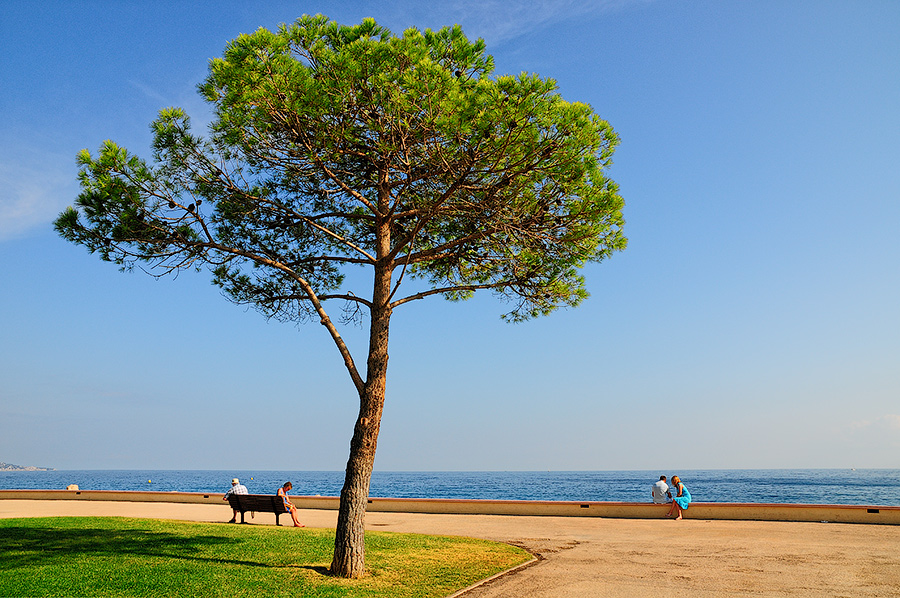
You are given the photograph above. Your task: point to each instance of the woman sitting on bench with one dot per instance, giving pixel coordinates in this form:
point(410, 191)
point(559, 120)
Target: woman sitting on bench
point(282, 492)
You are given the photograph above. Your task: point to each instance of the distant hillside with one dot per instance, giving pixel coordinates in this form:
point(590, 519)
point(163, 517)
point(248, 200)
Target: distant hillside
point(11, 467)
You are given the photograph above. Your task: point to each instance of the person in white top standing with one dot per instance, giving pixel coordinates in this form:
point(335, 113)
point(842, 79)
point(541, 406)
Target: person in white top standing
point(236, 488)
point(660, 492)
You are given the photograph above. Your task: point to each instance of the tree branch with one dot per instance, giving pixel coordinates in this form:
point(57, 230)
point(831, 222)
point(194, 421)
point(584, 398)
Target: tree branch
point(469, 287)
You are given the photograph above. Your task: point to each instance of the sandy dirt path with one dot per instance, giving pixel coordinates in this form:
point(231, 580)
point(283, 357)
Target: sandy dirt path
point(616, 558)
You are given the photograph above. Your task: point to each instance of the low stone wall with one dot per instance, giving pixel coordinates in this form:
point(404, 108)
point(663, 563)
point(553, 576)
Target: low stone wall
point(617, 510)
point(115, 495)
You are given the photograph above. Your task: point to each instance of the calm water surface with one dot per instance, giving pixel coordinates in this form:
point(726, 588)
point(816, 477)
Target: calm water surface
point(810, 486)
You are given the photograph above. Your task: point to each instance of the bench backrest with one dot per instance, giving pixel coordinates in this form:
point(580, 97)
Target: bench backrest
point(258, 503)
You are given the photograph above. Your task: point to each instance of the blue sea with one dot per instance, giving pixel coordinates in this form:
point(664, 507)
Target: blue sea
point(811, 486)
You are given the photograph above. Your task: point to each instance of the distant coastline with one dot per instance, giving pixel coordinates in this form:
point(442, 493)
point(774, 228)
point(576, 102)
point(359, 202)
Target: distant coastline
point(11, 467)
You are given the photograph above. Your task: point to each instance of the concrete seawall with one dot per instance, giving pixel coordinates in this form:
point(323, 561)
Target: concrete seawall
point(616, 510)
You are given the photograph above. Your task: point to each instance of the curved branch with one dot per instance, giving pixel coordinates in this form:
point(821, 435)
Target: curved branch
point(335, 335)
point(345, 187)
point(468, 287)
point(332, 258)
point(337, 237)
point(441, 250)
point(347, 297)
point(316, 303)
point(426, 217)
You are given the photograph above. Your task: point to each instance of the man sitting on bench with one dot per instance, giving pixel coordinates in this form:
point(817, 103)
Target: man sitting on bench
point(236, 488)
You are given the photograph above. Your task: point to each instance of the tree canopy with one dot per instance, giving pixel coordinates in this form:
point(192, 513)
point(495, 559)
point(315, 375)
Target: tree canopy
point(337, 146)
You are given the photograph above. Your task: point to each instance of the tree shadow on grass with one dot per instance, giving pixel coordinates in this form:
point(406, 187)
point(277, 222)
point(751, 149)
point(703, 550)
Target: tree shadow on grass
point(27, 546)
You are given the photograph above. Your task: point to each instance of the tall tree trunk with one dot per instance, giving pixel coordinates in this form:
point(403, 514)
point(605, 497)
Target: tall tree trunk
point(349, 540)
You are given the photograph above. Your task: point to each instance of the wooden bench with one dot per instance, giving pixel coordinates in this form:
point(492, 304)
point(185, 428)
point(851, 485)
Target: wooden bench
point(257, 503)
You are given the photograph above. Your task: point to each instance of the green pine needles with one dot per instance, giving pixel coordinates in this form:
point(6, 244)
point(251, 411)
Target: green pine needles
point(323, 132)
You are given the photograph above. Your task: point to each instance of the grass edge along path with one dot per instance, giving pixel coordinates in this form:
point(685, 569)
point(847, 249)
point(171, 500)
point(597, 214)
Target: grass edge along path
point(115, 556)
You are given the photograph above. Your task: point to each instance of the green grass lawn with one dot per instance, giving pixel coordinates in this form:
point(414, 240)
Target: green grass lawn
point(111, 556)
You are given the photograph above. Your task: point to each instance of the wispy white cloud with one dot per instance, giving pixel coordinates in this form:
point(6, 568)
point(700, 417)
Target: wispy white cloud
point(186, 97)
point(497, 21)
point(32, 194)
point(888, 422)
point(151, 93)
point(877, 437)
point(859, 424)
point(33, 189)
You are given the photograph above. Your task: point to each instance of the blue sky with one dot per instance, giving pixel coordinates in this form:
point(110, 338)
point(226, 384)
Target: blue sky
point(752, 322)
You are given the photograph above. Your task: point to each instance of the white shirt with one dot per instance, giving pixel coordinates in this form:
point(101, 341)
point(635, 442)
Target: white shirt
point(659, 492)
point(236, 489)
